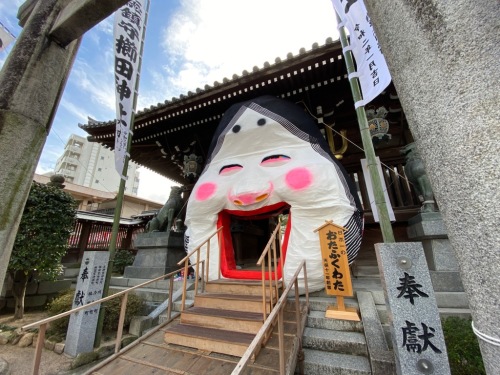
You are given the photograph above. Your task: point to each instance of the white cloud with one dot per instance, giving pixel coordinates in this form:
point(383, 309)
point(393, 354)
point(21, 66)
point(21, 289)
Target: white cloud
point(208, 41)
point(155, 93)
point(42, 169)
point(76, 110)
point(49, 157)
point(201, 42)
point(106, 26)
point(95, 84)
point(154, 187)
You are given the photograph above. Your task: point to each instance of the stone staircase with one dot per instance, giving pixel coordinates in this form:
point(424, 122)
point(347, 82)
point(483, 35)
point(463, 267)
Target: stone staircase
point(330, 346)
point(339, 347)
point(333, 346)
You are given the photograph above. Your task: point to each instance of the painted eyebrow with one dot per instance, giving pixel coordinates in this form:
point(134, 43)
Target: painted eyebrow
point(277, 156)
point(229, 166)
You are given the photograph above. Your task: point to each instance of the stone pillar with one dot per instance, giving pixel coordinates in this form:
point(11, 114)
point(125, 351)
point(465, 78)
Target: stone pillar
point(443, 57)
point(31, 83)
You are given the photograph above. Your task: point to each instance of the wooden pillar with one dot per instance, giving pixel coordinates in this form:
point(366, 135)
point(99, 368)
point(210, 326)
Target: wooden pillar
point(84, 239)
point(128, 239)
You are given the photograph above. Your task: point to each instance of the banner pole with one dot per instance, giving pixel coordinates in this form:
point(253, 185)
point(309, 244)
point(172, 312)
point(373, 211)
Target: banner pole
point(384, 219)
point(119, 197)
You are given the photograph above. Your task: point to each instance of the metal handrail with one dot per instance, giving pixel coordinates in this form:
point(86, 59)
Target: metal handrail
point(123, 306)
point(270, 252)
point(204, 268)
point(43, 323)
point(277, 314)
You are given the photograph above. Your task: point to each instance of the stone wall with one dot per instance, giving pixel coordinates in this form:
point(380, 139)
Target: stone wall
point(37, 293)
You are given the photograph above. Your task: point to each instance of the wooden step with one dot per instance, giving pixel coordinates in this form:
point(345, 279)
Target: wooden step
point(210, 339)
point(245, 287)
point(240, 321)
point(235, 302)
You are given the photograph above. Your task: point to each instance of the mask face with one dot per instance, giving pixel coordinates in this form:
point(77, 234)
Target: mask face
point(268, 156)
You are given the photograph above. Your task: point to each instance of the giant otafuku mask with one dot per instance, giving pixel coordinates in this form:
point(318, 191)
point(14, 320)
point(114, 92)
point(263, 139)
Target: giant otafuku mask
point(268, 155)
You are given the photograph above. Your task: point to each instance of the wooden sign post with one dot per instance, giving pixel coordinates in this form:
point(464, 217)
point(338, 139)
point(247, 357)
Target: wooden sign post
point(336, 270)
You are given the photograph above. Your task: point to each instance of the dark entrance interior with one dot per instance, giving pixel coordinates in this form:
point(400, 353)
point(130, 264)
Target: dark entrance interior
point(249, 237)
point(244, 237)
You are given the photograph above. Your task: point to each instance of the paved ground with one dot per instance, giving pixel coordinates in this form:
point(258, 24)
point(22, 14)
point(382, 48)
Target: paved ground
point(19, 361)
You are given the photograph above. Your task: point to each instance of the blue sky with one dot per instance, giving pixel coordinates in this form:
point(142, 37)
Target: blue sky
point(189, 43)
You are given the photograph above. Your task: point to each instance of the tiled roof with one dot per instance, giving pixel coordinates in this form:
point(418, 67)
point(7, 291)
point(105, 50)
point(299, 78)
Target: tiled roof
point(235, 79)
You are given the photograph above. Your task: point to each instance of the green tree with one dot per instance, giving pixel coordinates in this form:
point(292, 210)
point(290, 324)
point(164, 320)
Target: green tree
point(42, 239)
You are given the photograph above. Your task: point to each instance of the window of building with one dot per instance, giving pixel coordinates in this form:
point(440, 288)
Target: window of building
point(96, 181)
point(102, 157)
point(99, 169)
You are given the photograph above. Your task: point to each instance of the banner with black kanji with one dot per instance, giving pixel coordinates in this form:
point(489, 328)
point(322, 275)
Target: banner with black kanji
point(372, 70)
point(130, 21)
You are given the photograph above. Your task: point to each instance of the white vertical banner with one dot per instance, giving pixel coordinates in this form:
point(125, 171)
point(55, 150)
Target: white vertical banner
point(128, 38)
point(6, 37)
point(371, 195)
point(372, 70)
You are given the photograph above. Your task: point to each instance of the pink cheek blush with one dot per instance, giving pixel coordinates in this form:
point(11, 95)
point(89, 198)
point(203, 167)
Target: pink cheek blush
point(298, 178)
point(205, 191)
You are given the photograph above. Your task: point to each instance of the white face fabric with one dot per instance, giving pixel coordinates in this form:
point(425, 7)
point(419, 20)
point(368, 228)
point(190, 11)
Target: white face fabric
point(268, 156)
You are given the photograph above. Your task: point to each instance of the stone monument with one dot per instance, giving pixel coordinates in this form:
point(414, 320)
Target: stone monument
point(416, 332)
point(89, 287)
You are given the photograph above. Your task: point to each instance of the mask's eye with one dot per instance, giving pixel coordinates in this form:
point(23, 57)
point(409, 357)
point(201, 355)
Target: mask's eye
point(275, 160)
point(230, 169)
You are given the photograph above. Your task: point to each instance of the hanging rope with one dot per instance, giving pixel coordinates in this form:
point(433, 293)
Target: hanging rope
point(351, 142)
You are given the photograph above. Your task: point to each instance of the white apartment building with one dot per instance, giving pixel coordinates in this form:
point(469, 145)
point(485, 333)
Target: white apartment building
point(92, 165)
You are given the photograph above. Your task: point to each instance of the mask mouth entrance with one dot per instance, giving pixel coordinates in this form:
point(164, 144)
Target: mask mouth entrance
point(245, 234)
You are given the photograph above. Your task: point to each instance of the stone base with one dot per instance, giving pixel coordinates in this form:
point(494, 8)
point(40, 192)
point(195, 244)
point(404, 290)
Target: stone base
point(426, 225)
point(159, 240)
point(146, 272)
point(430, 230)
point(446, 281)
point(440, 255)
point(139, 324)
point(158, 254)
